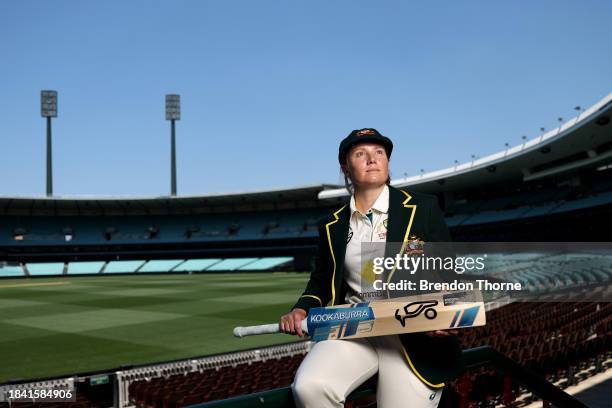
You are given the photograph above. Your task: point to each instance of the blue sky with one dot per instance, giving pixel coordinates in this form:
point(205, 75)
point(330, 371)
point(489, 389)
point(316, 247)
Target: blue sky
point(269, 88)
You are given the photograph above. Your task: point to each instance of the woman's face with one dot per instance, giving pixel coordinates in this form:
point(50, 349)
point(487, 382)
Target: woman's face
point(367, 165)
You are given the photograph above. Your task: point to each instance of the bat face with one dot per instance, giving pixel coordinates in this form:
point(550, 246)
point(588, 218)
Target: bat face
point(411, 314)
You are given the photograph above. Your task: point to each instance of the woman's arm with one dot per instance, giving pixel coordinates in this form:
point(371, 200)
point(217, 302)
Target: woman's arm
point(316, 294)
point(318, 288)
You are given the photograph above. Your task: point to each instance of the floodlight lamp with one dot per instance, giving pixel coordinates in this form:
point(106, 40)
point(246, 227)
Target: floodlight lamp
point(48, 104)
point(173, 107)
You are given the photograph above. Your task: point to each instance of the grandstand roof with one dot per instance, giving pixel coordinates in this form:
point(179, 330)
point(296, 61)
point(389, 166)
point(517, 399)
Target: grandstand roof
point(584, 141)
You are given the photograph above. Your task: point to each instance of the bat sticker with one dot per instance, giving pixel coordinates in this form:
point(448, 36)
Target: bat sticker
point(467, 317)
point(426, 307)
point(325, 320)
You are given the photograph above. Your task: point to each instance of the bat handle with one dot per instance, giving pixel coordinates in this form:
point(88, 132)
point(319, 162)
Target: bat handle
point(263, 329)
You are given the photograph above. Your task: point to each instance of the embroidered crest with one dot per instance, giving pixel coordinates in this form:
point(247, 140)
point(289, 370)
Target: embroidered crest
point(365, 132)
point(415, 242)
point(416, 246)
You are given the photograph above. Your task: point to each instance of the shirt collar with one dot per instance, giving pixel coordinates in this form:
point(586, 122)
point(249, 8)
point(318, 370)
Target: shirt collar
point(381, 204)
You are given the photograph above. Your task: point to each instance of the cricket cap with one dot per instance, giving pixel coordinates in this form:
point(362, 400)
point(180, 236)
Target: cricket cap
point(366, 135)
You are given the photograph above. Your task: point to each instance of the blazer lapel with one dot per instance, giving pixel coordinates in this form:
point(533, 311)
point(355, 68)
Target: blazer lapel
point(401, 215)
point(337, 233)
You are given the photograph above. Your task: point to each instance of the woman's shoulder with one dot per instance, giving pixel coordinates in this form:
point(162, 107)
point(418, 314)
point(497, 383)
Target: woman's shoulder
point(414, 197)
point(332, 214)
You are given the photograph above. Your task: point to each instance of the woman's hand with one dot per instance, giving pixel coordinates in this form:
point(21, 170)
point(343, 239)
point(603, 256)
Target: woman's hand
point(291, 323)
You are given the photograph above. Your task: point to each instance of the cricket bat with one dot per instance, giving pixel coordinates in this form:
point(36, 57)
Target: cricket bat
point(410, 314)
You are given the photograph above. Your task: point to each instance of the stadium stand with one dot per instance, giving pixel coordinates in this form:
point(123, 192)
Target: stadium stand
point(538, 272)
point(84, 268)
point(123, 266)
point(211, 378)
point(160, 265)
point(231, 264)
point(45, 269)
point(471, 211)
point(48, 230)
point(145, 266)
point(196, 265)
point(265, 264)
point(11, 271)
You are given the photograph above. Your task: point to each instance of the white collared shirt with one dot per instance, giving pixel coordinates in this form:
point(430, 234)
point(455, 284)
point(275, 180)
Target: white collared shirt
point(357, 271)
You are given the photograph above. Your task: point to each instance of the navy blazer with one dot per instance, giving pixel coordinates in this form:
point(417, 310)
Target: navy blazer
point(433, 360)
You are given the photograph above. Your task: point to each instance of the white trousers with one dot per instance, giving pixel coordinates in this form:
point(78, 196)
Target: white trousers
point(334, 368)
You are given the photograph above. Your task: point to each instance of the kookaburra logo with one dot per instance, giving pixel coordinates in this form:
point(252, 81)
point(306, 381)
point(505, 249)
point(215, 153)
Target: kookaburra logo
point(416, 308)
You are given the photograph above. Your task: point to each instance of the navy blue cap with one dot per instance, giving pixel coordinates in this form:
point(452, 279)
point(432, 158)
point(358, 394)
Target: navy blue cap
point(366, 135)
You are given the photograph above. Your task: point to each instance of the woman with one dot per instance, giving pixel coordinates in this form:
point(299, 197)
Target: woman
point(411, 368)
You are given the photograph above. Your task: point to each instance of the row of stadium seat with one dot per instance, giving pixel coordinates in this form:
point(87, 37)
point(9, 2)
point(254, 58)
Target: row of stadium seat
point(539, 273)
point(481, 201)
point(486, 387)
point(209, 385)
point(479, 213)
point(143, 266)
point(49, 230)
point(281, 224)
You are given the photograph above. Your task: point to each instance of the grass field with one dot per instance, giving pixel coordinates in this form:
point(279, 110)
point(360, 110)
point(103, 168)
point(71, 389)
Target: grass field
point(52, 327)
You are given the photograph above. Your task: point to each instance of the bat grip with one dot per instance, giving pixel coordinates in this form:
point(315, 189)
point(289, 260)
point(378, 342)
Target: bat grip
point(263, 329)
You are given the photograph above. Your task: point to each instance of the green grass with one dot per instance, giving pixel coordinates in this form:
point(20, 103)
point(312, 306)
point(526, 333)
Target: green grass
point(56, 326)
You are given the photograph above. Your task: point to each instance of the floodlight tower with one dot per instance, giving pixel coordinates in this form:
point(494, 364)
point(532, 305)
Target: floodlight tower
point(48, 109)
point(173, 113)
